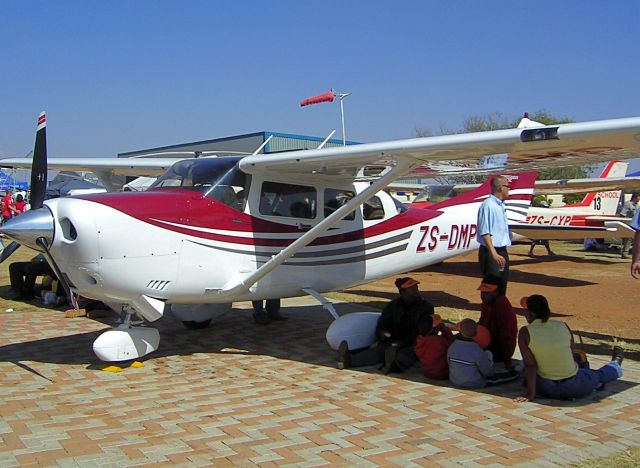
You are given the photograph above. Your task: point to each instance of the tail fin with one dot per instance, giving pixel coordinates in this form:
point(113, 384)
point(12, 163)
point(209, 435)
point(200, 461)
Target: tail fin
point(518, 202)
point(605, 203)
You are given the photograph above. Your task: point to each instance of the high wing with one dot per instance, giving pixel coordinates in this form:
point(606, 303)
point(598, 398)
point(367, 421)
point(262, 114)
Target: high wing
point(528, 149)
point(114, 166)
point(106, 170)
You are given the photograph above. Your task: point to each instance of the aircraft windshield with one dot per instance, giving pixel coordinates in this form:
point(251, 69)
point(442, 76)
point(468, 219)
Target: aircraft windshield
point(435, 193)
point(218, 178)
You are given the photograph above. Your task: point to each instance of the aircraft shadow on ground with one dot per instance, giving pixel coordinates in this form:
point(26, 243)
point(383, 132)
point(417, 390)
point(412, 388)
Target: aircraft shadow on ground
point(437, 298)
point(588, 258)
point(471, 270)
point(604, 344)
point(301, 338)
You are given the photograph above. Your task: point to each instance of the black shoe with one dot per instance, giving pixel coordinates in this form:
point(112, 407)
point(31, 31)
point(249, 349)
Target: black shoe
point(344, 357)
point(276, 316)
point(261, 319)
point(25, 297)
point(390, 358)
point(618, 355)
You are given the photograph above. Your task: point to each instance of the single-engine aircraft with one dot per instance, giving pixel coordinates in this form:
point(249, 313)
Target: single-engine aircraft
point(214, 230)
point(594, 216)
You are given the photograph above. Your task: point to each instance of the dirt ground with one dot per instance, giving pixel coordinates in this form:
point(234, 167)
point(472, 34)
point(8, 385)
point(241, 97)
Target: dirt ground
point(592, 291)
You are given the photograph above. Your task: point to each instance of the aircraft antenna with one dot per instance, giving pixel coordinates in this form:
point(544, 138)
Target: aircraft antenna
point(330, 96)
point(263, 145)
point(326, 140)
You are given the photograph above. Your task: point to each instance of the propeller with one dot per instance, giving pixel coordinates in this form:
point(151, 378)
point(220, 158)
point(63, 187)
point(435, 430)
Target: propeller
point(35, 228)
point(38, 177)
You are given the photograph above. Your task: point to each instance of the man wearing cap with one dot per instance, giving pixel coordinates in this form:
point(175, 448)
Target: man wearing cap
point(498, 316)
point(493, 233)
point(397, 330)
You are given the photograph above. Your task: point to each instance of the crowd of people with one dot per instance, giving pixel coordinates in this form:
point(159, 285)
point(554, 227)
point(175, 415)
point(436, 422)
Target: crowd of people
point(11, 206)
point(409, 331)
point(478, 354)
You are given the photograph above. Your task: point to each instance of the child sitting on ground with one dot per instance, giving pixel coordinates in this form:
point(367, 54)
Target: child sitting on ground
point(469, 365)
point(432, 345)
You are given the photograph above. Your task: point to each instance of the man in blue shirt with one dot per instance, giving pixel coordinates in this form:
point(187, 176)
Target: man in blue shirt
point(493, 234)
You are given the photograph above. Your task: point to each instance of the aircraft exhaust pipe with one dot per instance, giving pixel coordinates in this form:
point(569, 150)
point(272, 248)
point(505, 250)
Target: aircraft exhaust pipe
point(30, 226)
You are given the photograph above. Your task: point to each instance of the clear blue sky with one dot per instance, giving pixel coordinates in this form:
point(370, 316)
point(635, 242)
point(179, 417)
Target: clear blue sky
point(119, 76)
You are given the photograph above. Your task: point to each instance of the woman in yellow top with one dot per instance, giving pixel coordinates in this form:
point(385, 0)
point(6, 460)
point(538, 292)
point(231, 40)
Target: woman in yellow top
point(547, 350)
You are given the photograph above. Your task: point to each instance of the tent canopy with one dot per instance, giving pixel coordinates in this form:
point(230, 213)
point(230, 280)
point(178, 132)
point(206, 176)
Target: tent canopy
point(7, 182)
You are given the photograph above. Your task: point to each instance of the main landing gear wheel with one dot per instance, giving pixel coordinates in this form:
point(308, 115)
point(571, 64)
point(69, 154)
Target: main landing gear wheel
point(192, 325)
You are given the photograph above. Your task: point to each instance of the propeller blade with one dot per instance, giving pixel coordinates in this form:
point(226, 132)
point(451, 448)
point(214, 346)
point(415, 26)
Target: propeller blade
point(39, 166)
point(38, 186)
point(8, 250)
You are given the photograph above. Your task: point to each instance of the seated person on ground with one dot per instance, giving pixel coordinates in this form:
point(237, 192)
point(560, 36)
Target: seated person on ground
point(431, 347)
point(397, 331)
point(498, 316)
point(469, 365)
point(548, 352)
point(23, 275)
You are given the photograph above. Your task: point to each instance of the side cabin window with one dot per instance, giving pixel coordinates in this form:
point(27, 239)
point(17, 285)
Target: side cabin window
point(289, 200)
point(334, 199)
point(218, 178)
point(372, 209)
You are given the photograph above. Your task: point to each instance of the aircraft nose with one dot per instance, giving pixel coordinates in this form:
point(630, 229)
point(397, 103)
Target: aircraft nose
point(26, 228)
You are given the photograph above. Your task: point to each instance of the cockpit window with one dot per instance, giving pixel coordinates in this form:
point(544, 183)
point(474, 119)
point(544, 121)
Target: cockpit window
point(218, 178)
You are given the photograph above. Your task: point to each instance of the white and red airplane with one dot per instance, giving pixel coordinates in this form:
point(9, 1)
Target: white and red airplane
point(594, 216)
point(215, 230)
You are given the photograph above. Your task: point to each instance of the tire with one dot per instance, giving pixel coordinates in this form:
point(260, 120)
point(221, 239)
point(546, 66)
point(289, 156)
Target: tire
point(192, 325)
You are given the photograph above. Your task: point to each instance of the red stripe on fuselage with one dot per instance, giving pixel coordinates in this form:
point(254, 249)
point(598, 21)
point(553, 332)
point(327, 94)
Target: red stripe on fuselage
point(163, 208)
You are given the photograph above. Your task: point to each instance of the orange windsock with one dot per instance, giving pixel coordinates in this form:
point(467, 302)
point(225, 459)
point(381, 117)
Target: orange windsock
point(329, 96)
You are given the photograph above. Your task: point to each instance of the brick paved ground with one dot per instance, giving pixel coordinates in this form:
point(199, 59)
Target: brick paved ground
point(239, 394)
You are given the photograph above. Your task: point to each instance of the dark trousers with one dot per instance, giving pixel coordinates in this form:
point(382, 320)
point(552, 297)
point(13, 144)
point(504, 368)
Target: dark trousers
point(23, 275)
point(405, 357)
point(490, 268)
point(272, 306)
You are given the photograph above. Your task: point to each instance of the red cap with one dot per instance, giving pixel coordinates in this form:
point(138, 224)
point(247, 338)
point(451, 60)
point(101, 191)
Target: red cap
point(410, 282)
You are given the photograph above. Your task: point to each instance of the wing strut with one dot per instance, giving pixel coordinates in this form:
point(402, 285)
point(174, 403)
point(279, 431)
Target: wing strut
point(326, 303)
point(243, 285)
